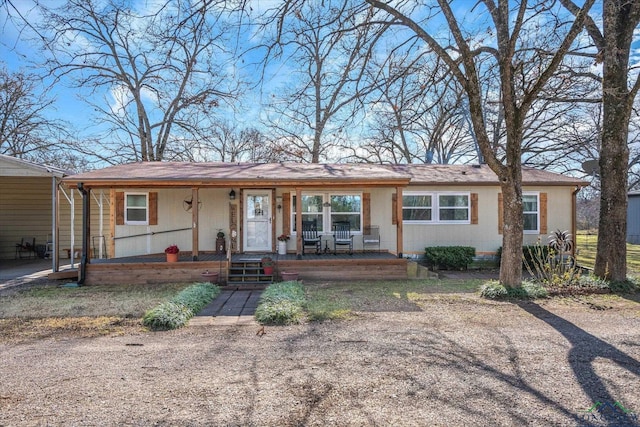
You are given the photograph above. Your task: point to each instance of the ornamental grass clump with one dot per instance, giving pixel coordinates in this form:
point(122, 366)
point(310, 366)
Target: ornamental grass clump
point(493, 289)
point(282, 304)
point(176, 313)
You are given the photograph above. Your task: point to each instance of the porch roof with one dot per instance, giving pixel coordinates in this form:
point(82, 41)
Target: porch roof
point(216, 174)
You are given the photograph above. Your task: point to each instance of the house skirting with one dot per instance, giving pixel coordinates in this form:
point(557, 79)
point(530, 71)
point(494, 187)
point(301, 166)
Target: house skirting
point(327, 268)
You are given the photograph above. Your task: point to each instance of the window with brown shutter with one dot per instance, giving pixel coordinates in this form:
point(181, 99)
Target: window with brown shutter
point(122, 216)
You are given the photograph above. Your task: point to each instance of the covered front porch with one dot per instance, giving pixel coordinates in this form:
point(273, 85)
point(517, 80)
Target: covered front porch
point(149, 269)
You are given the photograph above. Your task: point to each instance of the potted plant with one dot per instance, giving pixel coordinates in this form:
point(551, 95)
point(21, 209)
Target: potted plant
point(172, 253)
point(267, 265)
point(282, 244)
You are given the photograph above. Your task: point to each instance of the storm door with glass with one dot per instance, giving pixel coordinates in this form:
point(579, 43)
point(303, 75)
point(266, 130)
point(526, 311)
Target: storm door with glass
point(257, 217)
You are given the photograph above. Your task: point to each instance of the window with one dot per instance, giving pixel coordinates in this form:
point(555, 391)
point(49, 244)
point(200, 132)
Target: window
point(135, 208)
point(327, 208)
point(312, 210)
point(417, 208)
point(530, 206)
point(436, 207)
point(453, 207)
point(346, 207)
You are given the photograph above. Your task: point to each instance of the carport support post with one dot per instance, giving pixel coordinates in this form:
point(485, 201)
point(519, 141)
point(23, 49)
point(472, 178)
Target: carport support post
point(85, 233)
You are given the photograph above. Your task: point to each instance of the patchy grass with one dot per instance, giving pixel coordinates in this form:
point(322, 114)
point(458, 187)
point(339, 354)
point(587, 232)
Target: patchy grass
point(19, 330)
point(125, 301)
point(50, 311)
point(340, 300)
point(586, 245)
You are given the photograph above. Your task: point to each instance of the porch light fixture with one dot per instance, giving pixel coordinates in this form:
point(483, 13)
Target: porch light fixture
point(232, 195)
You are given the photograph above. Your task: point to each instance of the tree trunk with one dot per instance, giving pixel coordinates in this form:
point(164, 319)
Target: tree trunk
point(611, 262)
point(513, 225)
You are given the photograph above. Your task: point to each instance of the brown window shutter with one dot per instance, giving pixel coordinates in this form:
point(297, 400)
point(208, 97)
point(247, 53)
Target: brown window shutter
point(153, 208)
point(500, 219)
point(543, 213)
point(474, 208)
point(366, 210)
point(119, 208)
point(394, 208)
point(286, 213)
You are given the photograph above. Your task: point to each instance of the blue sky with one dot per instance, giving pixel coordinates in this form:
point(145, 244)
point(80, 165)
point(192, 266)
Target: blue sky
point(18, 53)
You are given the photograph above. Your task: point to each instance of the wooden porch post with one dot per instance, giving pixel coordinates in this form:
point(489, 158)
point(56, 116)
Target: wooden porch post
point(194, 226)
point(298, 223)
point(112, 222)
point(399, 242)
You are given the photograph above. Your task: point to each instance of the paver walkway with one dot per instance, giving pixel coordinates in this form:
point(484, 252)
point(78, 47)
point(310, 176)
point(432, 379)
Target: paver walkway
point(229, 308)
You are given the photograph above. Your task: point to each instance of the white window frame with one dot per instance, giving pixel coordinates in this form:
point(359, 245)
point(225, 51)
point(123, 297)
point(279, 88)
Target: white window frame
point(127, 207)
point(326, 210)
point(435, 206)
point(537, 211)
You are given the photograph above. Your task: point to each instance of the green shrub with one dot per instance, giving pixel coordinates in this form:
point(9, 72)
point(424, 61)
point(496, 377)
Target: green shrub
point(493, 289)
point(291, 290)
point(282, 304)
point(534, 290)
point(168, 315)
point(176, 313)
point(628, 286)
point(281, 312)
point(449, 257)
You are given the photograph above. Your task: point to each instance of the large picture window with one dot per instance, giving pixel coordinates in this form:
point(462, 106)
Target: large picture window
point(136, 209)
point(327, 208)
point(531, 213)
point(422, 207)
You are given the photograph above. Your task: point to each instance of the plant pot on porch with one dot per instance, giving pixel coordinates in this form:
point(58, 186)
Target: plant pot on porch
point(282, 248)
point(289, 276)
point(267, 265)
point(172, 257)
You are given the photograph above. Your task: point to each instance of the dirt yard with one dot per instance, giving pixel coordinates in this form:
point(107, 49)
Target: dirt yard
point(444, 360)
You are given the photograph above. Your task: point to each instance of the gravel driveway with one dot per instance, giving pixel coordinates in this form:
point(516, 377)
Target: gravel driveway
point(448, 360)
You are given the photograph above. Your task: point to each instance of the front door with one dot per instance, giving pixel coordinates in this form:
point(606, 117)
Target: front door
point(257, 221)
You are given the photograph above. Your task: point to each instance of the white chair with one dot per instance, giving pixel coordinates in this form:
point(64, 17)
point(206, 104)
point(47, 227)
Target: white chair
point(371, 237)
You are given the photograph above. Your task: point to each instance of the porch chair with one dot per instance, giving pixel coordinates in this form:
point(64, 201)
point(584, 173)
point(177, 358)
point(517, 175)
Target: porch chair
point(342, 236)
point(371, 236)
point(26, 246)
point(310, 236)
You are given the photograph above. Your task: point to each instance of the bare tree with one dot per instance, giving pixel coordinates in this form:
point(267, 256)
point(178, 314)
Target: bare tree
point(152, 68)
point(417, 113)
point(222, 141)
point(331, 48)
point(510, 33)
point(620, 85)
point(27, 129)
